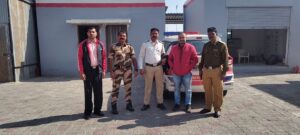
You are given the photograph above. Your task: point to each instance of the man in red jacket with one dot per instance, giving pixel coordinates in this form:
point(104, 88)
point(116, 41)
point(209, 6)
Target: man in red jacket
point(182, 59)
point(92, 67)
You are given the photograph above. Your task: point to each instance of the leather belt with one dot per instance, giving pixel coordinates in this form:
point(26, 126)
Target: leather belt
point(211, 67)
point(153, 65)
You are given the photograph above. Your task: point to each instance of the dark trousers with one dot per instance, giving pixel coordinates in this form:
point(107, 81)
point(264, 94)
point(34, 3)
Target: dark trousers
point(93, 83)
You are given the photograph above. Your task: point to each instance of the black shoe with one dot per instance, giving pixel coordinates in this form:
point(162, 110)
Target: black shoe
point(188, 108)
point(86, 117)
point(176, 107)
point(99, 114)
point(217, 115)
point(204, 111)
point(129, 107)
point(161, 106)
point(114, 109)
point(145, 107)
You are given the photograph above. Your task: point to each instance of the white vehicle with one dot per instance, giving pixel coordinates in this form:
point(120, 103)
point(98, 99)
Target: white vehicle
point(198, 41)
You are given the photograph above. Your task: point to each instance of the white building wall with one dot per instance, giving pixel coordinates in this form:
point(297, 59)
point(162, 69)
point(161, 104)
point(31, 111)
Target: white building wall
point(58, 40)
point(294, 40)
point(201, 14)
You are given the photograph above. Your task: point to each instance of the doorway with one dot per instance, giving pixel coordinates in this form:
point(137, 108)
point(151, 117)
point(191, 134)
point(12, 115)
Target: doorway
point(263, 45)
point(6, 70)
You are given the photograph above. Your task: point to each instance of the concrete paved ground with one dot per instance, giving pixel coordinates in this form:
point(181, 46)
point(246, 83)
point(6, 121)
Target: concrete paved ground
point(261, 103)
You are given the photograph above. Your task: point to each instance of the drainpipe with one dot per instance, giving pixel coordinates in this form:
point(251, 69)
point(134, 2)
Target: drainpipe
point(38, 70)
point(12, 59)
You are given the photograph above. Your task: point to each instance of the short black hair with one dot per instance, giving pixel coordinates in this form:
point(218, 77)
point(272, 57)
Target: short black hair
point(212, 29)
point(91, 27)
point(181, 33)
point(122, 32)
point(154, 29)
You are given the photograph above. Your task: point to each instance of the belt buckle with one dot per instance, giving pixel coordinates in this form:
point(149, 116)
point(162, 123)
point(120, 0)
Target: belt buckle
point(94, 67)
point(210, 67)
point(154, 65)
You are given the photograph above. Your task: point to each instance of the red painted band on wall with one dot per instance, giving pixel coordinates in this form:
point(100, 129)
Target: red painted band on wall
point(99, 5)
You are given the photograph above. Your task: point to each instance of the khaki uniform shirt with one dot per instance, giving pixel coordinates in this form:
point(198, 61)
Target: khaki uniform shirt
point(214, 55)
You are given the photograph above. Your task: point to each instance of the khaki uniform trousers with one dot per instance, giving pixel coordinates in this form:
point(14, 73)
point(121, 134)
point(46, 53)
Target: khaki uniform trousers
point(152, 72)
point(213, 86)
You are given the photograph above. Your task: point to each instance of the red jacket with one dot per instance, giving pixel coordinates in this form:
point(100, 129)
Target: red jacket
point(182, 59)
point(80, 55)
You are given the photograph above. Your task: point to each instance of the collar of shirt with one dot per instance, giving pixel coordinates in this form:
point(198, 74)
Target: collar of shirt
point(154, 43)
point(119, 44)
point(95, 42)
point(211, 43)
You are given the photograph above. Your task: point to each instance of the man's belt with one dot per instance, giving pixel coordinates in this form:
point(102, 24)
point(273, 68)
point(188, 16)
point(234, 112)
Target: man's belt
point(122, 67)
point(211, 67)
point(153, 65)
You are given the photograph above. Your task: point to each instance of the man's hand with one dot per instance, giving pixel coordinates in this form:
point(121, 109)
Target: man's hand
point(142, 72)
point(82, 77)
point(164, 61)
point(136, 73)
point(112, 75)
point(170, 71)
point(222, 76)
point(103, 74)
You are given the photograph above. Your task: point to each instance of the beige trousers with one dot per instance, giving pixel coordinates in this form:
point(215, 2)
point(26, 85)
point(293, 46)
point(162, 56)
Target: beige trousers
point(151, 73)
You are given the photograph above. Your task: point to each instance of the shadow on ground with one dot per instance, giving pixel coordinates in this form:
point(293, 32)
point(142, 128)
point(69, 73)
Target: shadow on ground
point(42, 121)
point(289, 92)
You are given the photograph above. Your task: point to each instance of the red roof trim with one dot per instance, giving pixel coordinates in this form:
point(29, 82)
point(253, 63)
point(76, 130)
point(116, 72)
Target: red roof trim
point(99, 5)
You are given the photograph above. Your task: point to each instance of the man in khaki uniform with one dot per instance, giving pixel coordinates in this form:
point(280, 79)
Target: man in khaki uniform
point(212, 69)
point(122, 57)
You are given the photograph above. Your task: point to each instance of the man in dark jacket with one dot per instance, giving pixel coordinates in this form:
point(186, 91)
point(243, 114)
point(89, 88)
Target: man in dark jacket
point(92, 67)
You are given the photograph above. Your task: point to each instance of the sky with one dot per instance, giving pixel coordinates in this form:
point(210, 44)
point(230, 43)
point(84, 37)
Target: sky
point(174, 6)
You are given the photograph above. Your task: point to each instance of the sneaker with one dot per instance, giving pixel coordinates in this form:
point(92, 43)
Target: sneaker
point(217, 114)
point(188, 109)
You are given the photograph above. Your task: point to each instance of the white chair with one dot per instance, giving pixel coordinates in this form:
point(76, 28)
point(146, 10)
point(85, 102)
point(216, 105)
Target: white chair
point(243, 54)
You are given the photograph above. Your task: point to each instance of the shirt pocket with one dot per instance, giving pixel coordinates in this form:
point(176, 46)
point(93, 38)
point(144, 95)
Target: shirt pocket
point(216, 52)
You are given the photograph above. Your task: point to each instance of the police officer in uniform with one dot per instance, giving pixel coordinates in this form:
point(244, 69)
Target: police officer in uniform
point(122, 57)
point(212, 69)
